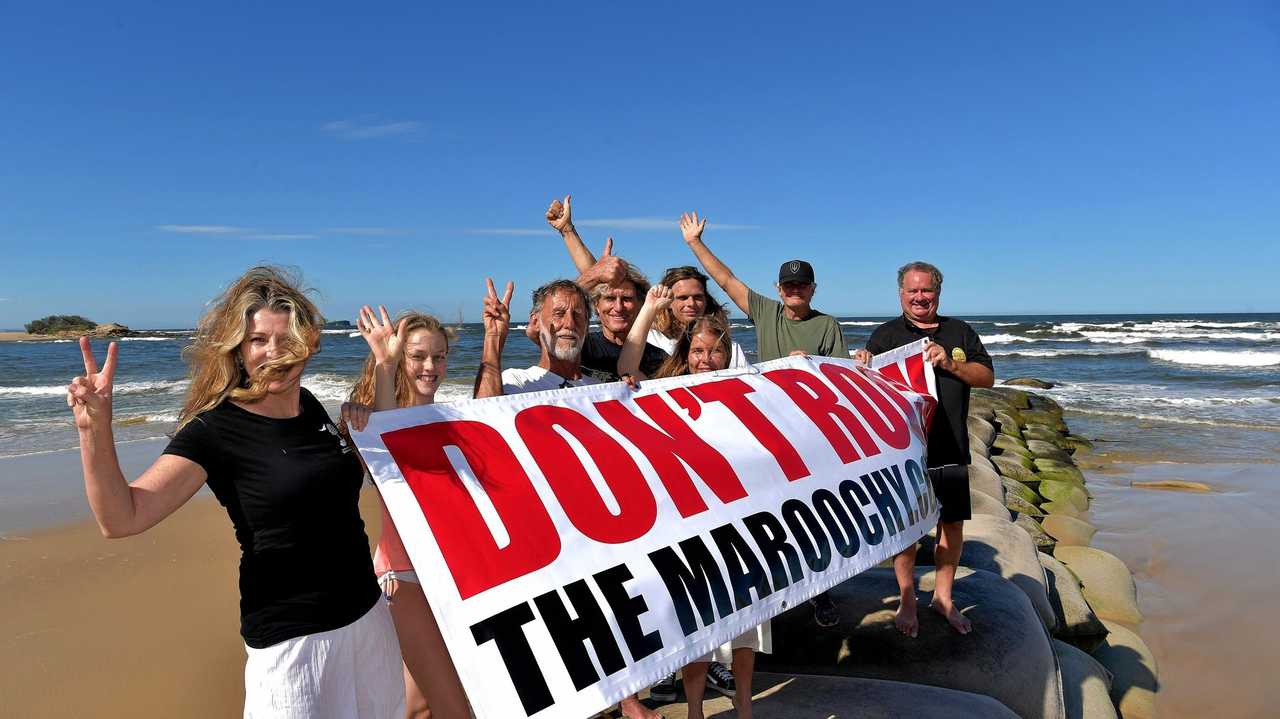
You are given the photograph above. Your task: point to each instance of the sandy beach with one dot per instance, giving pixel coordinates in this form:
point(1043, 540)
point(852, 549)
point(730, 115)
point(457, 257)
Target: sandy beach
point(140, 627)
point(22, 336)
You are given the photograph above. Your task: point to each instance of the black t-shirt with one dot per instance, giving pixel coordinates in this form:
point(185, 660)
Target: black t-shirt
point(600, 358)
point(292, 489)
point(949, 435)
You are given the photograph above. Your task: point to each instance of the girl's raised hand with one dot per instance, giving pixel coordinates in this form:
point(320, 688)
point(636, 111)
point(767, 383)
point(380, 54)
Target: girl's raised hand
point(659, 296)
point(385, 341)
point(89, 395)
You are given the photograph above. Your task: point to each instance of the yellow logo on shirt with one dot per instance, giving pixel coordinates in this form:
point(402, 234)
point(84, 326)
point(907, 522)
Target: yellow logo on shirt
point(957, 355)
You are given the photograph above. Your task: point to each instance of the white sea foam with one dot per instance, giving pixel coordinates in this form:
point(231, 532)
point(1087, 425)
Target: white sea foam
point(337, 332)
point(328, 387)
point(738, 326)
point(453, 392)
point(1101, 352)
point(861, 323)
point(1217, 358)
point(1005, 339)
point(57, 390)
point(1173, 419)
point(149, 339)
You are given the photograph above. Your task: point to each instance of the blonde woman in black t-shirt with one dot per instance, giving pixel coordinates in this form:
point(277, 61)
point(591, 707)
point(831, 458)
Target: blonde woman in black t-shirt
point(318, 640)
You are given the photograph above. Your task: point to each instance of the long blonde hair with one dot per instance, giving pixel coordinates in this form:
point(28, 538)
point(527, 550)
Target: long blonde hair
point(363, 391)
point(678, 363)
point(214, 356)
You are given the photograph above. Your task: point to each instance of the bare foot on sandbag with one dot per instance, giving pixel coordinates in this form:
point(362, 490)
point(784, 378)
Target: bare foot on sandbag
point(906, 620)
point(633, 709)
point(952, 614)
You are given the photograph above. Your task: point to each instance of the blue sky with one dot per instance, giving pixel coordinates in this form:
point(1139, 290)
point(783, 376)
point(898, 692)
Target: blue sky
point(1100, 157)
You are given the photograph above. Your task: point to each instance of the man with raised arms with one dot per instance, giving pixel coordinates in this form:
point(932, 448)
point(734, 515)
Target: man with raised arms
point(560, 310)
point(960, 362)
point(787, 327)
point(617, 290)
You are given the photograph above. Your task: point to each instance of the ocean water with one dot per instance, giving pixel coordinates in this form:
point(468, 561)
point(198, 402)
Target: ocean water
point(1199, 376)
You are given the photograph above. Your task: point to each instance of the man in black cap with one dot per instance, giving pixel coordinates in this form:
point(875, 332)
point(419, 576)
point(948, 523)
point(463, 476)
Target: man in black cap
point(783, 328)
point(960, 361)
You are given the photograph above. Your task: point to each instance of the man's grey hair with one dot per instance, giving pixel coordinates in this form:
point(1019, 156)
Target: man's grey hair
point(541, 294)
point(917, 266)
point(634, 276)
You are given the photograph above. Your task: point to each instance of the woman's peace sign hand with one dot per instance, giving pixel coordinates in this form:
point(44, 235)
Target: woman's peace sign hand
point(386, 341)
point(89, 395)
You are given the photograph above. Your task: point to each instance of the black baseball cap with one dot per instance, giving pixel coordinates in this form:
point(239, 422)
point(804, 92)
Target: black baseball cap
point(795, 271)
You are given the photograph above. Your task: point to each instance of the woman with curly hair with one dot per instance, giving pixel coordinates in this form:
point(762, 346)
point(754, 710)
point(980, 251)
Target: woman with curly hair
point(319, 642)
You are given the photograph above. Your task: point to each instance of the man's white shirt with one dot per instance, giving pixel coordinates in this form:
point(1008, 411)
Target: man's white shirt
point(537, 379)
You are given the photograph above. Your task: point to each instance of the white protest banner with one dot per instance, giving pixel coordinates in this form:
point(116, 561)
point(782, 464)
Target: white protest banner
point(577, 545)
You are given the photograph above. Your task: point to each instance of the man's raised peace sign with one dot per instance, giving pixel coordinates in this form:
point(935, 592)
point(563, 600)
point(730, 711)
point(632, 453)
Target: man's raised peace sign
point(497, 313)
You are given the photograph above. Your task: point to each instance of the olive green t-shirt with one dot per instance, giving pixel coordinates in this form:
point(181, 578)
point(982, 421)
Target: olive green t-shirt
point(777, 336)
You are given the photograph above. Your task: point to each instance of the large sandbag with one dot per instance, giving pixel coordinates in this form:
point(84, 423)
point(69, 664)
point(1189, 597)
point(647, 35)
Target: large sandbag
point(995, 545)
point(1105, 581)
point(983, 461)
point(782, 696)
point(1044, 434)
point(1080, 444)
point(1059, 491)
point(1029, 382)
point(978, 449)
point(1068, 531)
point(981, 430)
point(1039, 416)
point(1076, 622)
point(1045, 403)
point(985, 479)
point(1007, 424)
point(1007, 656)
point(982, 412)
point(1012, 469)
point(1017, 504)
point(1086, 684)
point(1134, 678)
point(1046, 450)
point(1062, 508)
point(1059, 474)
point(1043, 541)
point(1008, 445)
point(1013, 487)
point(1016, 397)
point(981, 503)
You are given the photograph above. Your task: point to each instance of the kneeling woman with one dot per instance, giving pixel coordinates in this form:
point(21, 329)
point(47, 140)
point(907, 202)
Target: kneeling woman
point(320, 643)
point(703, 346)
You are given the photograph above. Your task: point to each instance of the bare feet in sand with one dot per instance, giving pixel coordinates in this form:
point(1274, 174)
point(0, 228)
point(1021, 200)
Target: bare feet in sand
point(948, 609)
point(633, 709)
point(906, 620)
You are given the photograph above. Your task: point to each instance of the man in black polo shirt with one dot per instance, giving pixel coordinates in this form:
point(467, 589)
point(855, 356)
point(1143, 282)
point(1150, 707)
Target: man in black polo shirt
point(960, 362)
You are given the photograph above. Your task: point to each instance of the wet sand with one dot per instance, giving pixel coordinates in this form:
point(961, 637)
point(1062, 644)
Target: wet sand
point(1205, 567)
point(138, 627)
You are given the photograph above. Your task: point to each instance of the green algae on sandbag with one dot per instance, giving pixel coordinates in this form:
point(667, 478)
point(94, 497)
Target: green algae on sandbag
point(1086, 684)
point(1045, 403)
point(1014, 488)
point(1058, 491)
point(1047, 450)
point(1008, 655)
point(1105, 581)
point(981, 430)
point(1006, 446)
point(986, 480)
point(1068, 531)
point(1076, 621)
point(1043, 418)
point(1017, 504)
point(784, 696)
point(1029, 525)
point(1029, 382)
point(1062, 474)
point(996, 545)
point(1079, 444)
point(1065, 508)
point(1013, 468)
point(1044, 434)
point(1134, 676)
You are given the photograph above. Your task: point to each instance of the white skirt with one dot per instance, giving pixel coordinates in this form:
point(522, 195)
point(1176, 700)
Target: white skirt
point(354, 671)
point(758, 638)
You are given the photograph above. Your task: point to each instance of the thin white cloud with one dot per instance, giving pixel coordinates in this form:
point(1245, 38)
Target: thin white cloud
point(617, 223)
point(362, 231)
point(280, 236)
point(358, 130)
point(4, 299)
point(202, 229)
